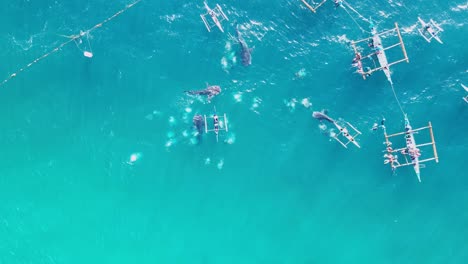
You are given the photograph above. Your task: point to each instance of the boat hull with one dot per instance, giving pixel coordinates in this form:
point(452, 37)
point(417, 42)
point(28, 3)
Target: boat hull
point(382, 57)
point(411, 145)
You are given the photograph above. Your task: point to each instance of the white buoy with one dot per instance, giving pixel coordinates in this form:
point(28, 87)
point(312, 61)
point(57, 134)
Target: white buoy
point(88, 54)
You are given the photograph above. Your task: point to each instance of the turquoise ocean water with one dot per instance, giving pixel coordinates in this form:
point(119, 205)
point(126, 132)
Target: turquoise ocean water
point(276, 189)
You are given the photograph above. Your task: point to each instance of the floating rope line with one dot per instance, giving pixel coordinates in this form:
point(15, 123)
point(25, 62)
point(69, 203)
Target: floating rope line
point(72, 38)
point(353, 19)
point(354, 10)
point(398, 101)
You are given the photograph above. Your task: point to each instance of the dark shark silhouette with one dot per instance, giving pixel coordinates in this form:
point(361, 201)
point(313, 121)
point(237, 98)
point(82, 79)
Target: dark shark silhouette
point(245, 51)
point(322, 115)
point(210, 91)
point(199, 124)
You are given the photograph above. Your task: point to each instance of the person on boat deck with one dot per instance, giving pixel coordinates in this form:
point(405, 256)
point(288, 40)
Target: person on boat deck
point(357, 57)
point(345, 131)
point(378, 49)
point(216, 122)
point(371, 43)
point(416, 153)
point(429, 29)
point(338, 3)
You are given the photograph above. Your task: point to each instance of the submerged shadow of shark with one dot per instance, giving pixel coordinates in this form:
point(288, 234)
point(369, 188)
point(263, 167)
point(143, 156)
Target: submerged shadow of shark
point(210, 91)
point(245, 52)
point(322, 115)
point(198, 125)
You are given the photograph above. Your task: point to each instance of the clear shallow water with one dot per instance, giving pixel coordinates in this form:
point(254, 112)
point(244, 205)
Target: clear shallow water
point(285, 193)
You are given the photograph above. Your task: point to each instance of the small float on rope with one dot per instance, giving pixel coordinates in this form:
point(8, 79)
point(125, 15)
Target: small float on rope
point(375, 43)
point(87, 51)
point(216, 14)
point(78, 40)
point(430, 30)
point(220, 123)
point(70, 39)
point(411, 151)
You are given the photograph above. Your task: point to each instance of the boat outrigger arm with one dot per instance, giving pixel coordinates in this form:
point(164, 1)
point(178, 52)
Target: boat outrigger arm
point(344, 132)
point(411, 151)
point(216, 14)
point(466, 89)
point(312, 5)
point(376, 41)
point(221, 125)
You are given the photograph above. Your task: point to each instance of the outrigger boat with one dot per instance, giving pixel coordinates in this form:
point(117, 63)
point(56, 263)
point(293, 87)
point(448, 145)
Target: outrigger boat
point(345, 133)
point(375, 42)
point(218, 125)
point(411, 151)
point(430, 30)
point(312, 5)
point(216, 14)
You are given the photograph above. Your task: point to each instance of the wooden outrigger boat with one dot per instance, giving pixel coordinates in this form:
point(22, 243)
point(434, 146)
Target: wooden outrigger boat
point(375, 42)
point(312, 5)
point(341, 126)
point(430, 30)
point(346, 134)
point(216, 14)
point(218, 125)
point(411, 151)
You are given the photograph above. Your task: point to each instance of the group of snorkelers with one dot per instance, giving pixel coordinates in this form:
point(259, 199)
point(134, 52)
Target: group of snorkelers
point(392, 159)
point(357, 61)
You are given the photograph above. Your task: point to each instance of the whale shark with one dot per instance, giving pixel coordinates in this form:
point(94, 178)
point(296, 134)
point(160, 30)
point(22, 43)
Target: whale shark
point(210, 91)
point(322, 115)
point(245, 51)
point(198, 124)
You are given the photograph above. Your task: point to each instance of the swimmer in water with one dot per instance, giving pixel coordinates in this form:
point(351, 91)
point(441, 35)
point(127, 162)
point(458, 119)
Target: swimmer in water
point(382, 125)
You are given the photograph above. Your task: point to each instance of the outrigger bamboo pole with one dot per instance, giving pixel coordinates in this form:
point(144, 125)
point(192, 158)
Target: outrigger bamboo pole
point(363, 74)
point(395, 62)
point(402, 43)
point(309, 6)
point(361, 40)
point(392, 46)
point(433, 143)
point(406, 132)
point(426, 160)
